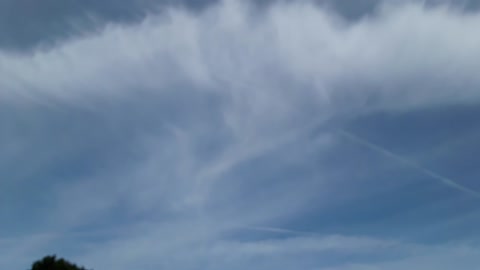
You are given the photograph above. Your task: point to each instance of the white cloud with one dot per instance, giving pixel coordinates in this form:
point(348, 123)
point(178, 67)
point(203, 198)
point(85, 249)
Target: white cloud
point(269, 79)
point(442, 257)
point(254, 57)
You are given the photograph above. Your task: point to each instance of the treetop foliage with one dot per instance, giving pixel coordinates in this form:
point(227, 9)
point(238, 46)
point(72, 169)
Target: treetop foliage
point(52, 263)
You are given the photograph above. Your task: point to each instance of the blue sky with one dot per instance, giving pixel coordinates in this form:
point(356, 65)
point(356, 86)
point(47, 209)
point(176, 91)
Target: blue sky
point(316, 135)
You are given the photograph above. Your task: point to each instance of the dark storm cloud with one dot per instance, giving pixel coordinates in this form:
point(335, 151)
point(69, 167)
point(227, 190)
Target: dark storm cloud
point(25, 24)
point(353, 10)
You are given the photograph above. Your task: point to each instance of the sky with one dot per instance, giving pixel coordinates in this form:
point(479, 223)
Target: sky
point(229, 134)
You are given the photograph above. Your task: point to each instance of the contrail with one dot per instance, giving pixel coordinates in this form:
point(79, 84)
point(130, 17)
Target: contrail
point(280, 230)
point(449, 182)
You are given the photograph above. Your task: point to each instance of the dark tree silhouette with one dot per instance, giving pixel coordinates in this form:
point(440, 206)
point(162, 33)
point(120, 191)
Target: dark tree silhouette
point(52, 263)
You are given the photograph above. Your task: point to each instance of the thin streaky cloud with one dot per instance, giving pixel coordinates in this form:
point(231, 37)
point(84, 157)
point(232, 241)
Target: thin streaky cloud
point(146, 145)
point(280, 230)
point(409, 163)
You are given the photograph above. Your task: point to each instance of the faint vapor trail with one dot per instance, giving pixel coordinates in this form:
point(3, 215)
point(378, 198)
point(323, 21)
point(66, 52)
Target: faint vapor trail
point(409, 163)
point(280, 230)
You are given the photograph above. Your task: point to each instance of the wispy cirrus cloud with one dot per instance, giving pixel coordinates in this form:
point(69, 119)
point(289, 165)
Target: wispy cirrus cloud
point(175, 132)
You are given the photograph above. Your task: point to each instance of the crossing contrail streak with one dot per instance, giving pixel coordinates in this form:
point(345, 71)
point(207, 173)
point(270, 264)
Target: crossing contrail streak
point(280, 230)
point(449, 182)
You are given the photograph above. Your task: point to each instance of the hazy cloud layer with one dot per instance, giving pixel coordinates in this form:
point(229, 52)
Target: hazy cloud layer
point(209, 140)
